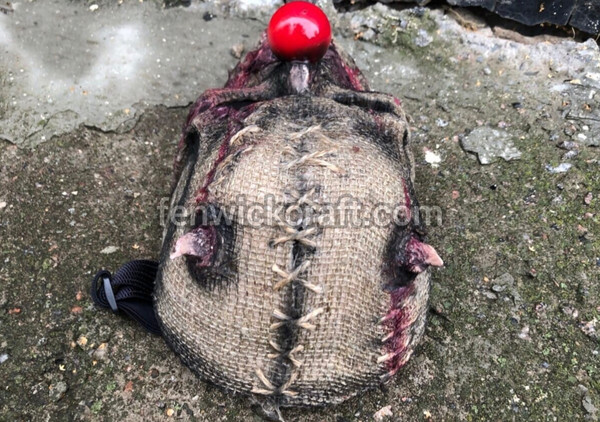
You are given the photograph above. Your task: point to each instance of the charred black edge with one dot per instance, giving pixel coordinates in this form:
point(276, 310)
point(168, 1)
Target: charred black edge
point(191, 137)
point(362, 99)
point(196, 364)
point(396, 276)
point(393, 143)
point(334, 68)
point(165, 249)
point(376, 102)
point(174, 343)
point(192, 158)
point(223, 261)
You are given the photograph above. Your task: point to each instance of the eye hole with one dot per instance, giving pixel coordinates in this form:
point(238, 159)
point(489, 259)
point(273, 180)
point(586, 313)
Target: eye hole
point(207, 247)
point(399, 277)
point(407, 257)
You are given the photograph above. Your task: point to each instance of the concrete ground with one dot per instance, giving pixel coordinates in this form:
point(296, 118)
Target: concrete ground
point(92, 98)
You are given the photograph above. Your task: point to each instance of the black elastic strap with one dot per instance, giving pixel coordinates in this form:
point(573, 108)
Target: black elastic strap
point(129, 291)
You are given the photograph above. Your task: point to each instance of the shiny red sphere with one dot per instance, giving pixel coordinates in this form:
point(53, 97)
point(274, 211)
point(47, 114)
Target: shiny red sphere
point(299, 31)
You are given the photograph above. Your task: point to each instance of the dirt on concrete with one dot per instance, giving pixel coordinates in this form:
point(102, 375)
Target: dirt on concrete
point(513, 331)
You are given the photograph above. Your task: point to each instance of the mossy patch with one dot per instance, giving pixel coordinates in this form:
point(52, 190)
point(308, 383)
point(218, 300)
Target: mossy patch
point(517, 351)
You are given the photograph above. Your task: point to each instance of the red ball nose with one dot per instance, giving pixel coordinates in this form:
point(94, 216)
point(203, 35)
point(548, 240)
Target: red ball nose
point(299, 31)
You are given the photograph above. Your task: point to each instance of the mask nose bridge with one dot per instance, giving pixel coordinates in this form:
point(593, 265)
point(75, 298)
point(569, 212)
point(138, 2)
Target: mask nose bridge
point(299, 77)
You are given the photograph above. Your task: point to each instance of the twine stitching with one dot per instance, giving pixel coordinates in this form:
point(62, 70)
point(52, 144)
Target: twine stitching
point(303, 236)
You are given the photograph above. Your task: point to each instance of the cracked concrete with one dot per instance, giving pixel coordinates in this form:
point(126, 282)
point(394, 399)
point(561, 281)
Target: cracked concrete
point(68, 64)
point(513, 330)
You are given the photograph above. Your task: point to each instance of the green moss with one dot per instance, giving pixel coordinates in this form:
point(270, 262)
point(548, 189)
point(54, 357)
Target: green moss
point(96, 407)
point(472, 362)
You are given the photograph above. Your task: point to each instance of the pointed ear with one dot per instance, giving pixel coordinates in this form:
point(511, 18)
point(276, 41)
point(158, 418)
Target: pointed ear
point(417, 256)
point(200, 245)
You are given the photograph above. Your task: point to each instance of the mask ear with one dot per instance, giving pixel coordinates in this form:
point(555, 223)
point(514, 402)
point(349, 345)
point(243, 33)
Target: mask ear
point(416, 256)
point(198, 245)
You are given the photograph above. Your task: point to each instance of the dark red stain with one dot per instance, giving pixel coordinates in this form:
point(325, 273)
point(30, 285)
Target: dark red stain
point(354, 76)
point(397, 322)
point(378, 120)
point(212, 104)
point(234, 124)
point(343, 74)
point(202, 194)
point(253, 62)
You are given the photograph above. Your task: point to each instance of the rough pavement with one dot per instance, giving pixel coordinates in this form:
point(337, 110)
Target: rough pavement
point(513, 329)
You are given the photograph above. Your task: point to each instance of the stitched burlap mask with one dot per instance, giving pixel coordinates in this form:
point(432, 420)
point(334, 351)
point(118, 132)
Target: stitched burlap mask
point(298, 271)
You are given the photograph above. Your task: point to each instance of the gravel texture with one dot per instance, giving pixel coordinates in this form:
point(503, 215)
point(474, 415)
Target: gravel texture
point(513, 331)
